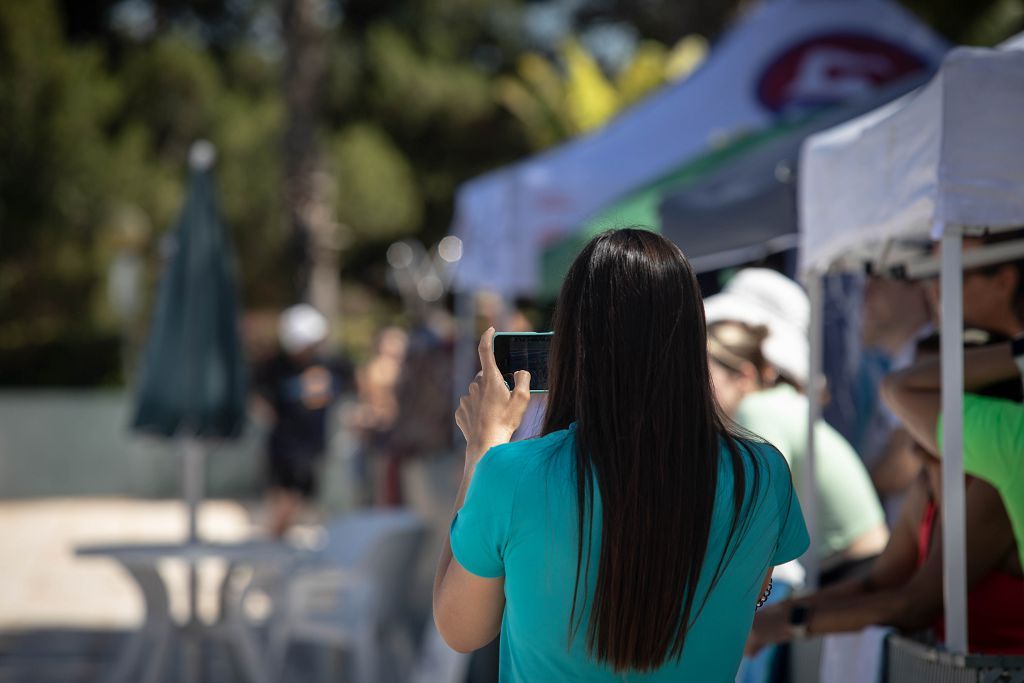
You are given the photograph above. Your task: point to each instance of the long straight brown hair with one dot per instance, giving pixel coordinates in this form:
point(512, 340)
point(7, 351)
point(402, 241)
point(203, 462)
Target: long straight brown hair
point(629, 366)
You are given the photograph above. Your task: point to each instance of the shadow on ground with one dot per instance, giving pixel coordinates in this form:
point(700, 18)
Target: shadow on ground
point(81, 655)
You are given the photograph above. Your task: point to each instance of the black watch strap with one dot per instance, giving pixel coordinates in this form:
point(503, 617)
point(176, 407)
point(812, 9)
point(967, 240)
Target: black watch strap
point(1017, 350)
point(799, 618)
point(1017, 346)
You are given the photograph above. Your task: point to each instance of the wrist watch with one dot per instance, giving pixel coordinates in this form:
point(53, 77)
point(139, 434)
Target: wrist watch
point(799, 619)
point(1017, 350)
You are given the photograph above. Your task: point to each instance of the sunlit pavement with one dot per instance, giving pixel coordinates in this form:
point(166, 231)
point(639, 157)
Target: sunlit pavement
point(62, 617)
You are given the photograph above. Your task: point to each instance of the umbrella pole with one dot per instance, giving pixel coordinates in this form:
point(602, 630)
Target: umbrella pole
point(194, 475)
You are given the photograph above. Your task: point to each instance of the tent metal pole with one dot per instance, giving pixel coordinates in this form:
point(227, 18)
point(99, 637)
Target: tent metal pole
point(815, 386)
point(954, 545)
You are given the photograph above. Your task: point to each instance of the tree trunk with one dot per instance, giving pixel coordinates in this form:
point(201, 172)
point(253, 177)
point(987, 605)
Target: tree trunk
point(307, 184)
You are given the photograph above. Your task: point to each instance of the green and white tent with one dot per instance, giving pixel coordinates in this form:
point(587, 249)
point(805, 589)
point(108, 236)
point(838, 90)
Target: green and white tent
point(732, 205)
point(783, 62)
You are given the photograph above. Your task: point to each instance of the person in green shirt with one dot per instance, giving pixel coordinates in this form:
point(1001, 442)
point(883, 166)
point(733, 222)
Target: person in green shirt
point(903, 587)
point(993, 428)
point(757, 343)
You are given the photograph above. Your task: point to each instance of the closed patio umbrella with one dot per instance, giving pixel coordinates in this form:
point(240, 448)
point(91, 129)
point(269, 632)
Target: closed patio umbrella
point(193, 379)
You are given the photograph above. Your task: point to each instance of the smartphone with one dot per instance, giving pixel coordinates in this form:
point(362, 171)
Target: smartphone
point(514, 351)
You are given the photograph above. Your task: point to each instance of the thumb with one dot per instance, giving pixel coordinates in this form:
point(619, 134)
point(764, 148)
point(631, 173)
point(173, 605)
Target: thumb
point(521, 392)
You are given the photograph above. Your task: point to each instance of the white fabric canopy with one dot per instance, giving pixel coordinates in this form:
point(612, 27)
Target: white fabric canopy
point(951, 153)
point(781, 58)
point(947, 156)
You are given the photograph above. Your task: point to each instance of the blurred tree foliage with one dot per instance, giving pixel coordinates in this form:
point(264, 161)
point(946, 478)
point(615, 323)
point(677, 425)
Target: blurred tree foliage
point(100, 99)
point(555, 99)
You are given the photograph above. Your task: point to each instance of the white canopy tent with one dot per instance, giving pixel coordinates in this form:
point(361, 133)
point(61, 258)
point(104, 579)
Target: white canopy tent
point(936, 164)
point(784, 57)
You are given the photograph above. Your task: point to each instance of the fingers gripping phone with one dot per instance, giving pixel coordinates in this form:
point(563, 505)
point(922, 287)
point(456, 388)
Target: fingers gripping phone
point(514, 351)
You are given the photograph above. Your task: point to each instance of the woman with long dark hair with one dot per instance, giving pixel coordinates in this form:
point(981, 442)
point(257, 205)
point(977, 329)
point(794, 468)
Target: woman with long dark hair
point(633, 539)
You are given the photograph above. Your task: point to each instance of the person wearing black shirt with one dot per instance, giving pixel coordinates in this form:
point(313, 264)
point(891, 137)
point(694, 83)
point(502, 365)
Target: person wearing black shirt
point(298, 388)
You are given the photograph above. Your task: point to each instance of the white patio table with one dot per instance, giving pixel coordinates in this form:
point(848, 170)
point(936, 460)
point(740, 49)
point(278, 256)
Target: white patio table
point(144, 658)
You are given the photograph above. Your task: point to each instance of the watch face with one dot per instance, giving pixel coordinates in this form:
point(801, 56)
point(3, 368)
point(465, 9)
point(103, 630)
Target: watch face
point(798, 615)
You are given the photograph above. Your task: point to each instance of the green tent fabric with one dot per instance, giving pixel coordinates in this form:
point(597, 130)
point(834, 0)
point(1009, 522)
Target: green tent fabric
point(723, 205)
point(641, 208)
point(193, 378)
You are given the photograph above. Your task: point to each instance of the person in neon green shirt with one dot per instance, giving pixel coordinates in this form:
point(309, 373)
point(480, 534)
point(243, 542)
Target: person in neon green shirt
point(993, 428)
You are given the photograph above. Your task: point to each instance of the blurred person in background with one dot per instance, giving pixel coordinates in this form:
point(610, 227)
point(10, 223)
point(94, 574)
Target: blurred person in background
point(993, 426)
point(377, 404)
point(993, 295)
point(416, 463)
point(634, 539)
point(757, 344)
point(295, 392)
point(895, 315)
point(903, 587)
point(421, 430)
point(993, 431)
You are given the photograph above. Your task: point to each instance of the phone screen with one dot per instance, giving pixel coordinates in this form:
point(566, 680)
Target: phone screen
point(514, 352)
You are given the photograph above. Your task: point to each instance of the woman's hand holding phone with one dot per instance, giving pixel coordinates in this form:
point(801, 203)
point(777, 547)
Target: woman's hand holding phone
point(490, 413)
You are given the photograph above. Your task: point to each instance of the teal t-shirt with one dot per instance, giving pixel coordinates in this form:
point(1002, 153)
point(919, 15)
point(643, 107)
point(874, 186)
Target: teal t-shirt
point(519, 521)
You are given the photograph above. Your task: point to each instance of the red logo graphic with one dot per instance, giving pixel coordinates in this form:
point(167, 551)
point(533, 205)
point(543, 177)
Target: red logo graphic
point(830, 69)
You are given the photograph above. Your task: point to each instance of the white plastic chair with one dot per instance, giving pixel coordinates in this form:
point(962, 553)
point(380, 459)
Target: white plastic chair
point(353, 597)
point(437, 662)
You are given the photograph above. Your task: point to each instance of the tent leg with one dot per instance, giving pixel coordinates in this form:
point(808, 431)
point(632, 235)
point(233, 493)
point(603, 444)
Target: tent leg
point(954, 546)
point(815, 387)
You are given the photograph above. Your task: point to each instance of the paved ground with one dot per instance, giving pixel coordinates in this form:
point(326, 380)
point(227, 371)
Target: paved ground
point(46, 585)
point(62, 618)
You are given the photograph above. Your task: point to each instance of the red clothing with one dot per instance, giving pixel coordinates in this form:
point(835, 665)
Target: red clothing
point(995, 606)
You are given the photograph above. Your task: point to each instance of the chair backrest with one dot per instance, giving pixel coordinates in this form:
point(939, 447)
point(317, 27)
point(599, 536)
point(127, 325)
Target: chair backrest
point(384, 545)
point(351, 539)
point(438, 663)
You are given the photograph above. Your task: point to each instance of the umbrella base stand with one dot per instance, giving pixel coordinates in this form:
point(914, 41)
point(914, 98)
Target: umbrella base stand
point(192, 650)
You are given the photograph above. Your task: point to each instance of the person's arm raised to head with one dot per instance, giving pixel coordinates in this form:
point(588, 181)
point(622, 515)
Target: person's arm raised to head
point(914, 394)
point(468, 606)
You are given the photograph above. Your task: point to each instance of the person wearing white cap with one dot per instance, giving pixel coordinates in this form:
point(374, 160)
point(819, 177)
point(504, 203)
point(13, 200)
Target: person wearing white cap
point(297, 389)
point(757, 342)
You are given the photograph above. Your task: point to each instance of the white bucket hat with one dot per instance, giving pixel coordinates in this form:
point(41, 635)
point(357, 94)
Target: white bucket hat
point(759, 296)
point(301, 327)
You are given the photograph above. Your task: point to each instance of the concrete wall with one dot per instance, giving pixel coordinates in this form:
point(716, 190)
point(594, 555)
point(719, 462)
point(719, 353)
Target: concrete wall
point(69, 443)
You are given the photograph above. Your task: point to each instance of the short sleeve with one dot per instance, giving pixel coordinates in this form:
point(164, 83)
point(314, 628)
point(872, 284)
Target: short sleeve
point(993, 437)
point(793, 538)
point(480, 531)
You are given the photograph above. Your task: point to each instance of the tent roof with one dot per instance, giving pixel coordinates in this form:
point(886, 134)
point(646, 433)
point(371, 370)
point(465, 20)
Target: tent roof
point(949, 153)
point(783, 57)
point(746, 207)
point(734, 204)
